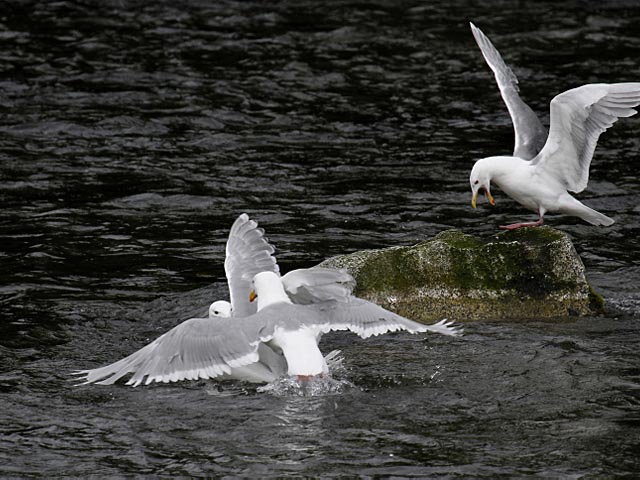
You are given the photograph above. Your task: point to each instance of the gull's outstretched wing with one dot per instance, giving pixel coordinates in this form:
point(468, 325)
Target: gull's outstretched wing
point(367, 319)
point(248, 253)
point(530, 135)
point(578, 117)
point(197, 348)
point(317, 284)
point(356, 315)
point(206, 348)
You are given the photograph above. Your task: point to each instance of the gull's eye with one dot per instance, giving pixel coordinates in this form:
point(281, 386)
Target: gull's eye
point(216, 312)
point(476, 182)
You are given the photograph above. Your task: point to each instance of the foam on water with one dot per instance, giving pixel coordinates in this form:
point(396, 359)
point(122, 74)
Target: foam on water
point(313, 387)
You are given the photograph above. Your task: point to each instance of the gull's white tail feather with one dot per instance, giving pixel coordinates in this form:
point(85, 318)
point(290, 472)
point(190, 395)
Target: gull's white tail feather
point(579, 209)
point(595, 218)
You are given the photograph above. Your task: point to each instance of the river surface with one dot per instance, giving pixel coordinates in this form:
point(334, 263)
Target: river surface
point(133, 133)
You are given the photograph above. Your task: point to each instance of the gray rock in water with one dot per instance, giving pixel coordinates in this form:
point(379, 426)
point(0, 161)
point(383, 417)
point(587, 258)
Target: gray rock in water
point(526, 273)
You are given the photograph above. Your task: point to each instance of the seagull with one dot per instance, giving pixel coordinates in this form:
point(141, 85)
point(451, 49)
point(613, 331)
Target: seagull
point(530, 134)
point(542, 184)
point(269, 366)
point(247, 253)
point(201, 349)
point(225, 345)
point(219, 308)
point(545, 168)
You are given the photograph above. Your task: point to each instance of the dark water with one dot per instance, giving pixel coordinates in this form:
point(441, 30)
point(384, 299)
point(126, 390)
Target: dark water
point(133, 133)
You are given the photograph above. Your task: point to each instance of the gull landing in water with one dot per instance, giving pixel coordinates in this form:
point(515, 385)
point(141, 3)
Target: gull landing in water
point(295, 329)
point(545, 168)
point(247, 253)
point(277, 335)
point(199, 348)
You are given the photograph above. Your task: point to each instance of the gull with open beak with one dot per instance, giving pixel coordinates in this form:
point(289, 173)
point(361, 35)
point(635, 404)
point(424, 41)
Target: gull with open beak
point(542, 184)
point(544, 169)
point(476, 187)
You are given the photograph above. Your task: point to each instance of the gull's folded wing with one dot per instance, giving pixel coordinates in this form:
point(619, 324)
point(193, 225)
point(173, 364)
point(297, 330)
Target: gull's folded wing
point(317, 284)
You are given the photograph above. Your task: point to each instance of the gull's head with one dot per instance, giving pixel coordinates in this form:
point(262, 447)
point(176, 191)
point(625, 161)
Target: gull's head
point(267, 288)
point(480, 179)
point(220, 308)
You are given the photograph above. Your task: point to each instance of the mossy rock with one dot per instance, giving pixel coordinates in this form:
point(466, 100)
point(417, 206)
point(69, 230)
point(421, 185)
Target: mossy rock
point(521, 274)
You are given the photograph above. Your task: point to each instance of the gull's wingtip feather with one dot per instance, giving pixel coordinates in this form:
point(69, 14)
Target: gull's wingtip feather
point(446, 327)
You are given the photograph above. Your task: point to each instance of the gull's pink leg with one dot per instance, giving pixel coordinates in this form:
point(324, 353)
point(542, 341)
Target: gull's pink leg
point(306, 378)
point(520, 225)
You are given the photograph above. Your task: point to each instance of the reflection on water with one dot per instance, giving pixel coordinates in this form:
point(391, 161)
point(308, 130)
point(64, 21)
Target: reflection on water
point(134, 133)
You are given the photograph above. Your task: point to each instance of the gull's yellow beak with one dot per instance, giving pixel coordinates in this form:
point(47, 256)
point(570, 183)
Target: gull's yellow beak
point(474, 198)
point(489, 197)
point(252, 295)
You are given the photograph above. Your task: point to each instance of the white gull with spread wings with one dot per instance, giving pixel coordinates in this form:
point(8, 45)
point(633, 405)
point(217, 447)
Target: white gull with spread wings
point(248, 253)
point(280, 338)
point(545, 168)
point(200, 348)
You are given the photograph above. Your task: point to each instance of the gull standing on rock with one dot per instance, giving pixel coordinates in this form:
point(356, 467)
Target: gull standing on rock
point(541, 180)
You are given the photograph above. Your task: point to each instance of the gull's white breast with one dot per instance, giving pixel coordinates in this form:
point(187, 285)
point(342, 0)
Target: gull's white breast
point(529, 187)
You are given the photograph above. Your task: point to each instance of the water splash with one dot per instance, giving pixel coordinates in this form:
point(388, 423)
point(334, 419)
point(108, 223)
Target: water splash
point(335, 363)
point(334, 383)
point(221, 390)
point(315, 386)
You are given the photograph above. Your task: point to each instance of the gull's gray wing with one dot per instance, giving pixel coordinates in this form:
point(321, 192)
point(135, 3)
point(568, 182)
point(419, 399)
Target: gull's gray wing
point(197, 348)
point(578, 117)
point(208, 348)
point(248, 253)
point(317, 284)
point(366, 319)
point(270, 366)
point(356, 315)
point(530, 135)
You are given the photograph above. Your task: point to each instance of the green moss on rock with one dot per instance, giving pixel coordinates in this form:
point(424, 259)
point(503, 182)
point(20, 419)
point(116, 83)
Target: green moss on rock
point(526, 273)
point(596, 302)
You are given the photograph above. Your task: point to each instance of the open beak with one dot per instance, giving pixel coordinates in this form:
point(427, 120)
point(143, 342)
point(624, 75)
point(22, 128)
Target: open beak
point(489, 197)
point(252, 295)
point(474, 198)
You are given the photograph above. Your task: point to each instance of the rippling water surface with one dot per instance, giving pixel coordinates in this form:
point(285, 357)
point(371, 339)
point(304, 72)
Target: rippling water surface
point(133, 133)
